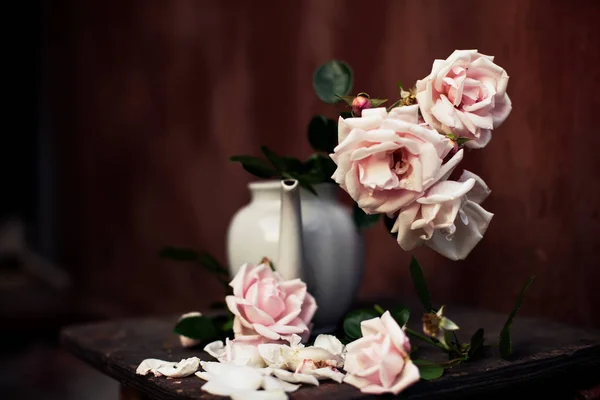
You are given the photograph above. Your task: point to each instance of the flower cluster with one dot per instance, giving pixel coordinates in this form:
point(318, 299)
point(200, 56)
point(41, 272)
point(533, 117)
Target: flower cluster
point(398, 161)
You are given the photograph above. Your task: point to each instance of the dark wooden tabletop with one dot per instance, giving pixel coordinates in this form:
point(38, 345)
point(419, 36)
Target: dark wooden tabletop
point(549, 358)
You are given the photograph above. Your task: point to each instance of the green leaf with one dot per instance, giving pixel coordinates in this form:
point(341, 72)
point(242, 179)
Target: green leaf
point(377, 102)
point(476, 343)
point(256, 166)
point(418, 279)
point(179, 254)
point(331, 80)
point(292, 164)
point(197, 328)
point(451, 136)
point(274, 159)
point(322, 134)
point(362, 219)
point(228, 326)
point(462, 140)
point(378, 309)
point(400, 86)
point(211, 264)
point(348, 99)
point(353, 320)
point(429, 370)
point(401, 315)
point(346, 114)
point(505, 341)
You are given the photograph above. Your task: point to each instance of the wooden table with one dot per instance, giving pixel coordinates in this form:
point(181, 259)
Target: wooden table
point(551, 361)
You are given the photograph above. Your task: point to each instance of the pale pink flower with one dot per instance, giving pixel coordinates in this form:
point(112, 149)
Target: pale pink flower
point(265, 305)
point(465, 95)
point(448, 218)
point(386, 161)
point(379, 362)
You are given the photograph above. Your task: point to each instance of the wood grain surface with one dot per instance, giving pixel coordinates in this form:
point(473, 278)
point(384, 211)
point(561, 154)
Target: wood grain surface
point(149, 98)
point(550, 359)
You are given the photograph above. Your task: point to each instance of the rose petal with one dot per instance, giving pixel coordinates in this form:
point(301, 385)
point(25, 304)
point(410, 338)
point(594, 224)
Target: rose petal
point(330, 343)
point(185, 367)
point(480, 190)
point(293, 377)
point(273, 384)
point(466, 237)
point(409, 376)
point(266, 332)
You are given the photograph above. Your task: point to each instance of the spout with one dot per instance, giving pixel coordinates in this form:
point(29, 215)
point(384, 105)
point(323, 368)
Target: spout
point(291, 257)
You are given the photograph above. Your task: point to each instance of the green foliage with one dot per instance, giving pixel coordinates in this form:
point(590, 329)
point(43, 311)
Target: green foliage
point(353, 320)
point(401, 315)
point(322, 134)
point(255, 166)
point(505, 340)
point(201, 258)
point(418, 279)
point(332, 79)
point(476, 345)
point(429, 370)
point(197, 328)
point(362, 219)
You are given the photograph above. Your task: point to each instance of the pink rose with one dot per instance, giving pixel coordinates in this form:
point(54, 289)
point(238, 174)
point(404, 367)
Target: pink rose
point(379, 362)
point(386, 161)
point(465, 95)
point(448, 218)
point(266, 305)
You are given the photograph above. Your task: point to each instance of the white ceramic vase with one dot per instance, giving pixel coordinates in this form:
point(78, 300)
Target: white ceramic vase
point(333, 249)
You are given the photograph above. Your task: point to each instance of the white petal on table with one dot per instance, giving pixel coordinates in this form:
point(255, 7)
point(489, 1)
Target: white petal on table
point(294, 377)
point(182, 369)
point(274, 384)
point(185, 367)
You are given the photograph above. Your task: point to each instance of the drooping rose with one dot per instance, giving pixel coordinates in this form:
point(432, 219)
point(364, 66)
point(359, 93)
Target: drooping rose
point(448, 218)
point(265, 305)
point(385, 160)
point(465, 95)
point(379, 362)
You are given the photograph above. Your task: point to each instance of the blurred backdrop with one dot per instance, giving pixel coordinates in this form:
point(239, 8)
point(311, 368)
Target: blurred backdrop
point(141, 103)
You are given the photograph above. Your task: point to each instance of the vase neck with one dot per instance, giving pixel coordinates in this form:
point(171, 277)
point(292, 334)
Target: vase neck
point(270, 191)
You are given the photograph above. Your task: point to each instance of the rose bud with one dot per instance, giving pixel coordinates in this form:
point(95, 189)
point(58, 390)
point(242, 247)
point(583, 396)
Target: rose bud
point(360, 102)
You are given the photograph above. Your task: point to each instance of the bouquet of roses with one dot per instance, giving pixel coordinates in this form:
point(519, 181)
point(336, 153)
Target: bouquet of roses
point(396, 162)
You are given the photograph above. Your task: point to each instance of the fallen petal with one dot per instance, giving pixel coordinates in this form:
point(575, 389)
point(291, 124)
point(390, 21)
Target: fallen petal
point(181, 369)
point(294, 377)
point(270, 383)
point(152, 365)
point(330, 343)
point(328, 373)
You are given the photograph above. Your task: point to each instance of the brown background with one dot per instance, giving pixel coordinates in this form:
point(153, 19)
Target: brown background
point(150, 98)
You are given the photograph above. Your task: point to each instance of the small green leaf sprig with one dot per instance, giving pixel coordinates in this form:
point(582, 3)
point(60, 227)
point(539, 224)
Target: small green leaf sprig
point(330, 80)
point(438, 330)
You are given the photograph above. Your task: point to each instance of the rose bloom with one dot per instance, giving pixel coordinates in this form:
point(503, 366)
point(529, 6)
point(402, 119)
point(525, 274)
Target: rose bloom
point(379, 361)
point(266, 305)
point(386, 161)
point(465, 95)
point(448, 218)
